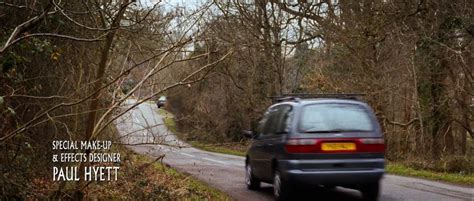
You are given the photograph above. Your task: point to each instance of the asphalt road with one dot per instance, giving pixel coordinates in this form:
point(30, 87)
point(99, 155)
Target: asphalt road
point(143, 130)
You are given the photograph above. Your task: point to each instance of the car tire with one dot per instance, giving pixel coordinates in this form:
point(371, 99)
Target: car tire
point(281, 189)
point(252, 182)
point(371, 192)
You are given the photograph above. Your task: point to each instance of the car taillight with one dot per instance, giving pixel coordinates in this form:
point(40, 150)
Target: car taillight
point(301, 145)
point(372, 145)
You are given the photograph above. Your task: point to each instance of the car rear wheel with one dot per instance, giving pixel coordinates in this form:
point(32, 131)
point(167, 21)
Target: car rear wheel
point(371, 192)
point(281, 189)
point(252, 182)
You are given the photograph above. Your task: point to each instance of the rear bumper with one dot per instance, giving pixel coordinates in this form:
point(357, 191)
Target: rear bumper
point(339, 176)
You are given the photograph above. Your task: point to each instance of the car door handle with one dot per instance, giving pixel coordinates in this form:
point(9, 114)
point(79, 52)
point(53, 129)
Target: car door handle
point(270, 144)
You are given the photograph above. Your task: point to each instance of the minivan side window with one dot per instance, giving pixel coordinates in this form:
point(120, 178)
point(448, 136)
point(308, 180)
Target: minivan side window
point(277, 121)
point(285, 116)
point(262, 122)
point(269, 127)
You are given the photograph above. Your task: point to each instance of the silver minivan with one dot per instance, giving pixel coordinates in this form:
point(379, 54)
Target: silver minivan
point(328, 141)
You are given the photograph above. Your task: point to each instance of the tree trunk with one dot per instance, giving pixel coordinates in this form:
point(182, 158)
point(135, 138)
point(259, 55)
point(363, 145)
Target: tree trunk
point(104, 56)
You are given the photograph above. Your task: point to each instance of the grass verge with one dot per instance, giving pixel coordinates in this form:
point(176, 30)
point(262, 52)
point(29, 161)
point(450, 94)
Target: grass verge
point(400, 169)
point(236, 149)
point(143, 178)
point(197, 189)
point(168, 120)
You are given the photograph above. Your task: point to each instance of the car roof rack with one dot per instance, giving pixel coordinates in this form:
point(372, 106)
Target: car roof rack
point(278, 99)
point(298, 96)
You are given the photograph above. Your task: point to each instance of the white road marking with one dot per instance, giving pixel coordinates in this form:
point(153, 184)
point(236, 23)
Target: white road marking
point(221, 162)
point(187, 154)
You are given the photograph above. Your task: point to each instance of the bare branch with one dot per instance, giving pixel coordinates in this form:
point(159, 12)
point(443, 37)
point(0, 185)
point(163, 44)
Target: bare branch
point(25, 25)
point(50, 35)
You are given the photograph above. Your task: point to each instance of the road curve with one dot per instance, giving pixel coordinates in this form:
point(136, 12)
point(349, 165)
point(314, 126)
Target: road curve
point(143, 131)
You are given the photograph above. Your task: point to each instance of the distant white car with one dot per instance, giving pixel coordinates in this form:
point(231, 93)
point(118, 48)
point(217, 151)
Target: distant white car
point(161, 101)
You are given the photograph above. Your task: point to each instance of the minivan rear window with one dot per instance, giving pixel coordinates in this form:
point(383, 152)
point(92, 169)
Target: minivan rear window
point(334, 117)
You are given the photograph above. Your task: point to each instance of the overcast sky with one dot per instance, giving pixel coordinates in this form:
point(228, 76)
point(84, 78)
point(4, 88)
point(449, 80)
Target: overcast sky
point(172, 3)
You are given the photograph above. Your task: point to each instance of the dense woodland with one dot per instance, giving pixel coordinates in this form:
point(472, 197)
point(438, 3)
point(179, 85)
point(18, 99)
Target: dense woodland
point(67, 66)
point(412, 59)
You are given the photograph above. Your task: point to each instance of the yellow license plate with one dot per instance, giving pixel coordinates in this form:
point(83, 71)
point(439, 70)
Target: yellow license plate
point(338, 146)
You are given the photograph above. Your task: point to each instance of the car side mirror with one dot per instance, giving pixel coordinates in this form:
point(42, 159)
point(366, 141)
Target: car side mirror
point(248, 134)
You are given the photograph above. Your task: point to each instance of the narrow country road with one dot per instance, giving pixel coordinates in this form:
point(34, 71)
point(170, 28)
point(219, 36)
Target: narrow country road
point(143, 126)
